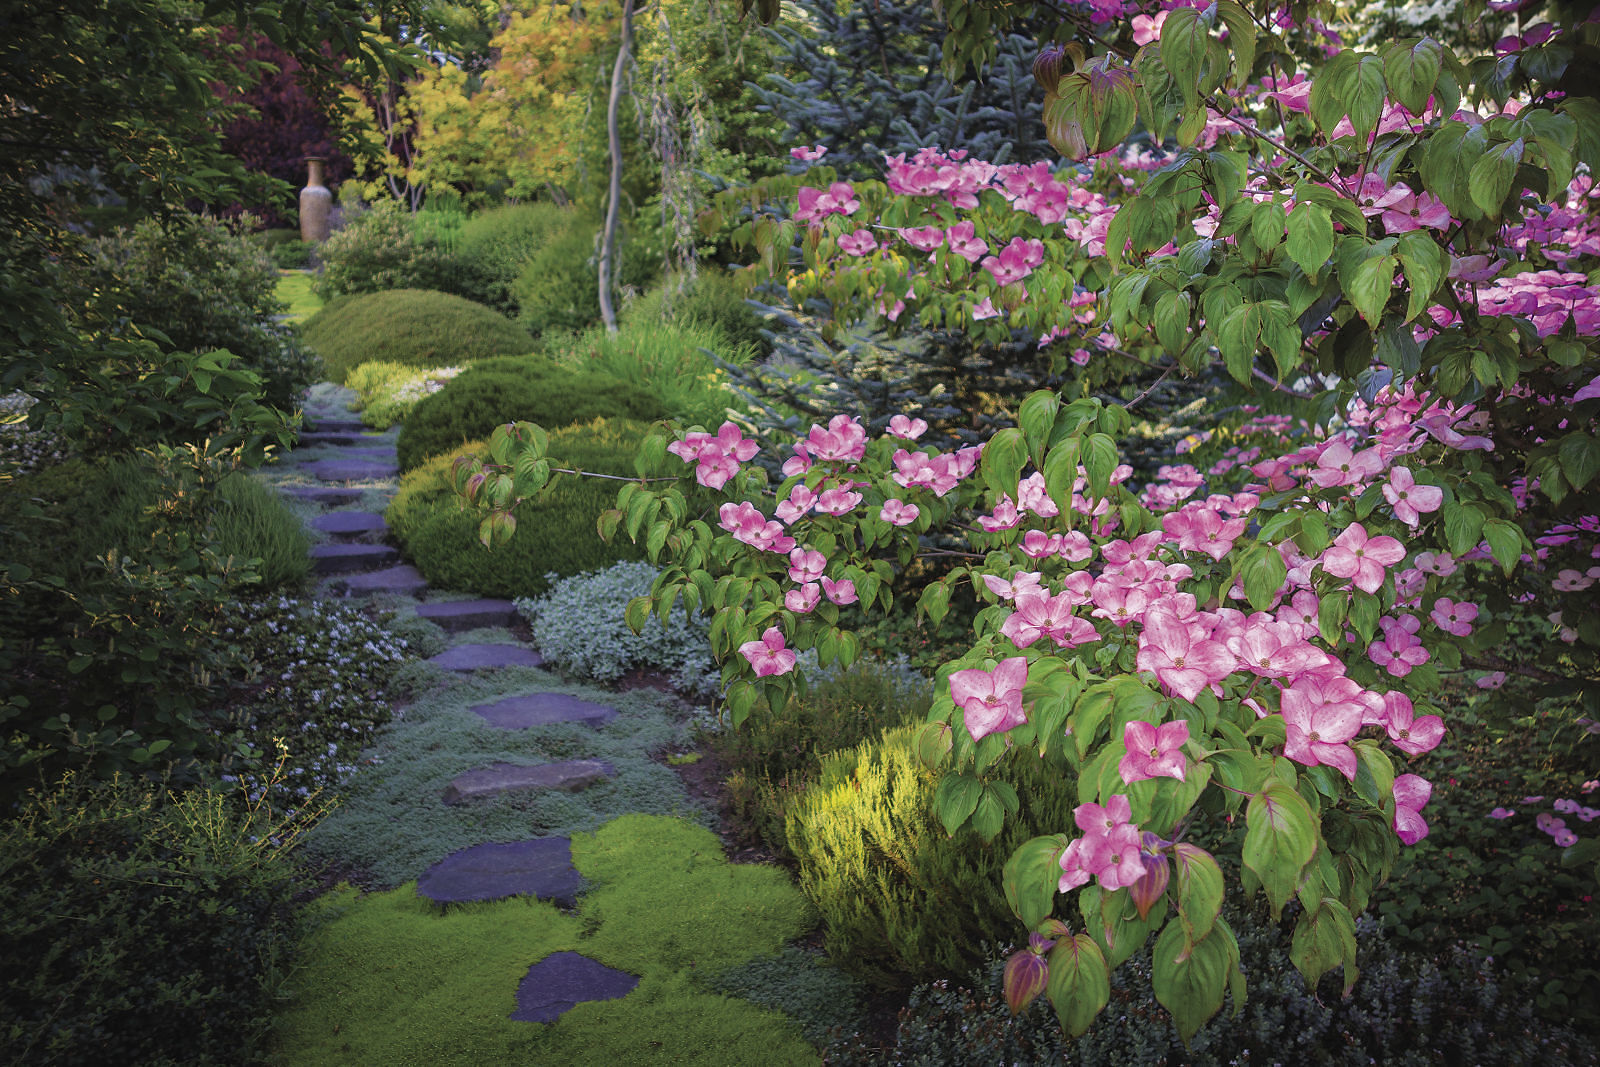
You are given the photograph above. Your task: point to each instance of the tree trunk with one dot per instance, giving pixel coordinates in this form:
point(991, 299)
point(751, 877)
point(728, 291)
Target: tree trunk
point(608, 241)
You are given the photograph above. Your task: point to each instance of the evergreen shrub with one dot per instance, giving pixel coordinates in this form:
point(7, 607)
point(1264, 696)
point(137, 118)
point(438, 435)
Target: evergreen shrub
point(417, 327)
point(141, 926)
point(494, 246)
point(579, 629)
point(902, 900)
point(555, 534)
point(559, 288)
point(535, 390)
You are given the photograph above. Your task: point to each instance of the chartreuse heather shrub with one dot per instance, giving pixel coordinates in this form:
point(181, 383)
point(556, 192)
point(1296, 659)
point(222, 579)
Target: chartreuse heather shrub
point(901, 900)
point(772, 757)
point(579, 629)
point(393, 978)
point(142, 926)
point(386, 392)
point(420, 328)
point(391, 825)
point(499, 391)
point(1412, 1009)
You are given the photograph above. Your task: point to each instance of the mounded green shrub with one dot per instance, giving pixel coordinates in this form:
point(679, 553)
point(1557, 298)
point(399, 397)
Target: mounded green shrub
point(903, 901)
point(494, 246)
point(555, 535)
point(379, 249)
point(534, 390)
point(141, 927)
point(418, 327)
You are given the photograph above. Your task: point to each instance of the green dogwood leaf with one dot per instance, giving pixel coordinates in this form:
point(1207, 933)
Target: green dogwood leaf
point(1280, 839)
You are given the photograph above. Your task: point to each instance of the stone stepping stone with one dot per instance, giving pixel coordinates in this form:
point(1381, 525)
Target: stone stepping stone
point(569, 775)
point(327, 496)
point(541, 868)
point(349, 525)
point(334, 424)
point(456, 615)
point(480, 657)
point(352, 470)
point(563, 980)
point(351, 559)
point(542, 709)
point(404, 580)
point(310, 440)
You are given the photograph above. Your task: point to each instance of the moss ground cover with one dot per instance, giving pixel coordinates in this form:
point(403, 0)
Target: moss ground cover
point(389, 978)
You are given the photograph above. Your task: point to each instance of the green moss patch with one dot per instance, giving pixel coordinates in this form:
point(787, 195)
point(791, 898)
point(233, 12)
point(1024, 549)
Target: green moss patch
point(389, 978)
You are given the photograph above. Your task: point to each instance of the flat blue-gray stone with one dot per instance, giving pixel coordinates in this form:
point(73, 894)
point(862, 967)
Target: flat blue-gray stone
point(542, 709)
point(568, 775)
point(352, 470)
point(541, 868)
point(327, 496)
point(480, 657)
point(563, 980)
point(351, 559)
point(454, 616)
point(334, 424)
point(350, 523)
point(404, 580)
point(311, 439)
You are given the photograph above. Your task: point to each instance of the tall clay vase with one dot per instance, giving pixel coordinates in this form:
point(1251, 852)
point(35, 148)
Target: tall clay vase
point(316, 203)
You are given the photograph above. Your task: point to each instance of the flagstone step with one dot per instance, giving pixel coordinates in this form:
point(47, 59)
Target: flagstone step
point(569, 775)
point(456, 615)
point(333, 424)
point(540, 867)
point(563, 980)
point(352, 470)
point(315, 438)
point(350, 525)
point(404, 580)
point(481, 657)
point(352, 559)
point(542, 709)
point(328, 496)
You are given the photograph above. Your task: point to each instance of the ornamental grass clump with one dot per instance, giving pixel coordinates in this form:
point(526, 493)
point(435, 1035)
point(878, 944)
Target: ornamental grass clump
point(578, 627)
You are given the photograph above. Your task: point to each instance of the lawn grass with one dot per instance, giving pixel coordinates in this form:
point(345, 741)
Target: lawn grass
point(294, 289)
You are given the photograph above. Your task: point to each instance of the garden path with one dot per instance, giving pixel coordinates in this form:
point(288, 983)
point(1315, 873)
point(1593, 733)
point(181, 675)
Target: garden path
point(353, 470)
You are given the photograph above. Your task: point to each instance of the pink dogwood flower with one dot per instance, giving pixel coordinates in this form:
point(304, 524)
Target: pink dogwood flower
point(991, 701)
point(1410, 500)
point(910, 429)
point(803, 600)
point(769, 655)
point(1452, 617)
point(897, 512)
point(1153, 751)
point(1411, 793)
point(1321, 715)
point(841, 592)
point(1360, 558)
point(1410, 734)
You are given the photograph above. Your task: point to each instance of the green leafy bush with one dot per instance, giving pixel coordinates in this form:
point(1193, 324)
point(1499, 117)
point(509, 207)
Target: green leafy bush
point(579, 629)
point(774, 755)
point(378, 249)
point(495, 245)
point(1407, 1009)
point(292, 255)
point(110, 647)
point(559, 287)
point(194, 285)
point(534, 390)
point(141, 926)
point(417, 327)
point(555, 534)
point(386, 392)
point(902, 900)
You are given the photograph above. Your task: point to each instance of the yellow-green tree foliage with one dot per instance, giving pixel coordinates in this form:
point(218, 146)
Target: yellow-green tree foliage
point(516, 130)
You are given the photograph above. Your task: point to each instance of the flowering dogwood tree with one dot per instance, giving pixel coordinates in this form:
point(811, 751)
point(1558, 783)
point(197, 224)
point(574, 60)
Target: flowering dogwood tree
point(1402, 239)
